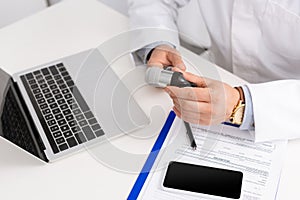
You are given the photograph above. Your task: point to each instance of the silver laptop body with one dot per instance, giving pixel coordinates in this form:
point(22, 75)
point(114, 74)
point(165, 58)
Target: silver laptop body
point(67, 105)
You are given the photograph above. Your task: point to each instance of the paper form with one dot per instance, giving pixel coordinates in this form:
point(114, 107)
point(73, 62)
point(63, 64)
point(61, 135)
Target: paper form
point(223, 147)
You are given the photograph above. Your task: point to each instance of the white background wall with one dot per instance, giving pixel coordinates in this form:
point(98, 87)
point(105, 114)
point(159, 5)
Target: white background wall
point(119, 5)
point(13, 10)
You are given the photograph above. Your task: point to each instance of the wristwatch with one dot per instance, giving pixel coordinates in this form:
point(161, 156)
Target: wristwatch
point(238, 111)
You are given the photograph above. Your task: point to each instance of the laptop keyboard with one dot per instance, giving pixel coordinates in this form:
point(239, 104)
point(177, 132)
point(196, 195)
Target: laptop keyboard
point(62, 111)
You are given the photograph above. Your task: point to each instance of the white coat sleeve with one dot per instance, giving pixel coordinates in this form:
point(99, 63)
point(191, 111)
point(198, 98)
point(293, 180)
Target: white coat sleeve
point(153, 21)
point(276, 110)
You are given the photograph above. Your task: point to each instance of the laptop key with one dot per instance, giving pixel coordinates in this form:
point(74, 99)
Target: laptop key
point(53, 70)
point(83, 123)
point(46, 90)
point(35, 91)
point(57, 134)
point(56, 111)
point(99, 133)
point(48, 78)
point(57, 77)
point(45, 71)
point(56, 91)
point(60, 81)
point(75, 129)
point(48, 117)
point(63, 147)
point(31, 81)
point(76, 112)
point(79, 117)
point(96, 127)
point(58, 96)
point(46, 111)
point(64, 128)
point(61, 101)
point(61, 122)
point(70, 83)
point(48, 95)
point(80, 137)
point(70, 101)
point(37, 72)
point(38, 77)
point(67, 78)
point(64, 73)
point(62, 69)
point(60, 140)
point(51, 100)
point(54, 105)
point(52, 87)
point(74, 106)
point(64, 106)
point(68, 96)
point(40, 101)
point(68, 134)
point(37, 96)
point(88, 132)
point(43, 106)
point(43, 86)
point(62, 86)
point(89, 115)
point(34, 86)
point(51, 122)
point(69, 117)
point(41, 81)
point(54, 128)
point(59, 116)
point(71, 142)
point(50, 82)
point(67, 112)
point(60, 65)
point(92, 121)
point(65, 91)
point(72, 123)
point(29, 76)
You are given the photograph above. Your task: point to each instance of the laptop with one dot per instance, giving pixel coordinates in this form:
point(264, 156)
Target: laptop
point(59, 108)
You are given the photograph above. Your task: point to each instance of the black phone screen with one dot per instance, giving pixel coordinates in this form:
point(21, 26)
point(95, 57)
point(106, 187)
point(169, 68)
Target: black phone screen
point(205, 180)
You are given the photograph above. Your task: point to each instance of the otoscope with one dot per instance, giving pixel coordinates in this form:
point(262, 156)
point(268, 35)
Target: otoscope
point(162, 78)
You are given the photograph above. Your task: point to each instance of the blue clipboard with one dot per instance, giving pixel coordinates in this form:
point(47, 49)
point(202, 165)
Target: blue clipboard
point(139, 183)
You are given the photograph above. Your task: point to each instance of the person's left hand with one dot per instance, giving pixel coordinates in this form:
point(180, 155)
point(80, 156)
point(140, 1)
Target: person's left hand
point(212, 102)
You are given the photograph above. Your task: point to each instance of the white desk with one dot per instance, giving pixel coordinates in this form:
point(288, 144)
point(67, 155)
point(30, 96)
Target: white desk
point(64, 29)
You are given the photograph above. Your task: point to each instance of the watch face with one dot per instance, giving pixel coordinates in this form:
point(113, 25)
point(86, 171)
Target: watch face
point(238, 114)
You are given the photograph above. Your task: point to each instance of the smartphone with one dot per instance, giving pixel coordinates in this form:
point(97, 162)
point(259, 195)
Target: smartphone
point(202, 180)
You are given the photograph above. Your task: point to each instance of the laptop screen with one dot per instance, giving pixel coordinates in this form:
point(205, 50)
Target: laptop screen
point(13, 124)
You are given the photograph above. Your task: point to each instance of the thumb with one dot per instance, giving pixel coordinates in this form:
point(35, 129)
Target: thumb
point(199, 81)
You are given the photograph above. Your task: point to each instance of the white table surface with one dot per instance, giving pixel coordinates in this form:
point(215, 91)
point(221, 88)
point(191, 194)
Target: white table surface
point(64, 29)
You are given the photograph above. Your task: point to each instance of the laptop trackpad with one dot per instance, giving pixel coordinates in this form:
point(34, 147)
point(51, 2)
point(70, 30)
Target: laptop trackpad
point(108, 97)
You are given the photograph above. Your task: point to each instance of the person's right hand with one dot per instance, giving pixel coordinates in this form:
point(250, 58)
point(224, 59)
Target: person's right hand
point(165, 55)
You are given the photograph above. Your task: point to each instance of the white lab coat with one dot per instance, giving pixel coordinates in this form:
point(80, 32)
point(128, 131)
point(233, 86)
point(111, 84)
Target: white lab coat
point(258, 40)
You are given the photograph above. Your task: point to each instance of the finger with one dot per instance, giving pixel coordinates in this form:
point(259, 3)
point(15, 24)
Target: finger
point(199, 81)
point(177, 112)
point(192, 94)
point(155, 61)
point(176, 60)
point(192, 106)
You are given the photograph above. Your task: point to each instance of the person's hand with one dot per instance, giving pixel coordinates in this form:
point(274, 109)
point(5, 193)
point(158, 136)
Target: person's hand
point(164, 55)
point(212, 102)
